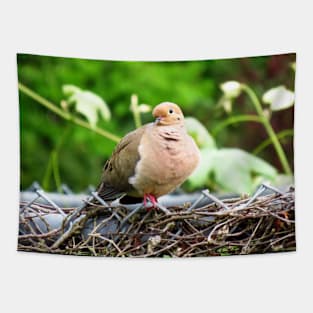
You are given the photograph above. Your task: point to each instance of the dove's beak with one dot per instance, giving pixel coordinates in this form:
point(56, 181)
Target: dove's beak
point(158, 120)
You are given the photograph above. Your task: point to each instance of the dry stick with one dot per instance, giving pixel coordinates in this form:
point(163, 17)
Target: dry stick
point(163, 208)
point(190, 225)
point(196, 203)
point(93, 246)
point(84, 243)
point(244, 220)
point(37, 249)
point(130, 215)
point(192, 247)
point(216, 200)
point(176, 218)
point(124, 221)
point(71, 217)
point(134, 248)
point(218, 226)
point(28, 225)
point(108, 240)
point(245, 248)
point(279, 239)
point(97, 197)
point(41, 218)
point(206, 252)
point(136, 230)
point(192, 236)
point(35, 226)
point(138, 233)
point(258, 241)
point(76, 226)
point(277, 216)
point(50, 233)
point(158, 251)
point(40, 208)
point(29, 203)
point(41, 193)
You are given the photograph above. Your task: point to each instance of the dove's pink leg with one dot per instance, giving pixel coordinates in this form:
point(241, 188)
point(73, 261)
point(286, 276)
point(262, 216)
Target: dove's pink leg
point(152, 199)
point(145, 200)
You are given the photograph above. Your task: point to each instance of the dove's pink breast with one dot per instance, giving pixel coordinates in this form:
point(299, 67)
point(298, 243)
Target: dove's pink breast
point(168, 155)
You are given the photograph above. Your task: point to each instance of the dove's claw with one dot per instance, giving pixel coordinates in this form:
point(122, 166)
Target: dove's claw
point(152, 199)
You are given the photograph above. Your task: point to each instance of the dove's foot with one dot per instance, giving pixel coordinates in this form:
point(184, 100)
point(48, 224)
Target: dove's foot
point(152, 199)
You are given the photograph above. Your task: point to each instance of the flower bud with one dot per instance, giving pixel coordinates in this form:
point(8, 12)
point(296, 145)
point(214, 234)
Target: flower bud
point(231, 89)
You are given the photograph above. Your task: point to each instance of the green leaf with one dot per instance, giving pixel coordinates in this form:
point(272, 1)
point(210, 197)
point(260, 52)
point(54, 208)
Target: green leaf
point(199, 133)
point(68, 90)
point(233, 170)
point(200, 176)
point(279, 98)
point(236, 170)
point(283, 180)
point(87, 103)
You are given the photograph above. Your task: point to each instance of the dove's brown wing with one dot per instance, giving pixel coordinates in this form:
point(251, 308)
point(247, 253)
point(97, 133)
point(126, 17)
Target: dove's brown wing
point(121, 166)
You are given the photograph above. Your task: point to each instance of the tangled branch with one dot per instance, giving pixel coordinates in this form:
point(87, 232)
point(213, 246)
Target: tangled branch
point(265, 225)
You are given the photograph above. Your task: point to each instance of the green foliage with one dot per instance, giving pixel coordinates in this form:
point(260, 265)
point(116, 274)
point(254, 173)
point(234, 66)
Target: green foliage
point(87, 103)
point(228, 250)
point(77, 159)
point(234, 170)
point(199, 133)
point(226, 169)
point(277, 97)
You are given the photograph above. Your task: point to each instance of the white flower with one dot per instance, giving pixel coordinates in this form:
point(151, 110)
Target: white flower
point(133, 102)
point(227, 105)
point(231, 89)
point(279, 98)
point(144, 108)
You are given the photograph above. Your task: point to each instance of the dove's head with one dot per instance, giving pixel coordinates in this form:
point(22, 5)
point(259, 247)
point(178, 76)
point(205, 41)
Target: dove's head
point(168, 113)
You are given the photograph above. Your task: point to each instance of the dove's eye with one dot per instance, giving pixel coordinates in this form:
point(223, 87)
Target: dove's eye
point(171, 111)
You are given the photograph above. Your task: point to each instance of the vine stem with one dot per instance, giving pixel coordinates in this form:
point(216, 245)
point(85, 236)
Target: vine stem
point(268, 127)
point(135, 109)
point(267, 142)
point(53, 163)
point(236, 119)
point(66, 115)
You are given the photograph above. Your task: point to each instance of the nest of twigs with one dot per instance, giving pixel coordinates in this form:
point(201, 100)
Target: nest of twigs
point(265, 225)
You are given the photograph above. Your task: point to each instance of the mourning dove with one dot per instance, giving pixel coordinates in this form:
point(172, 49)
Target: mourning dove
point(152, 160)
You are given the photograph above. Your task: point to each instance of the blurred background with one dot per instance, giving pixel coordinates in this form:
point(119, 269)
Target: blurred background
point(194, 85)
